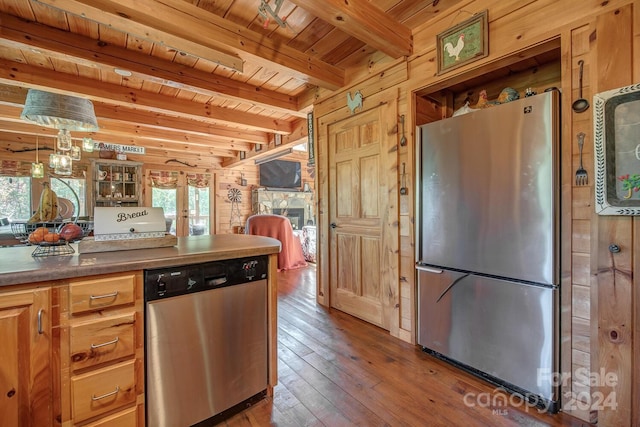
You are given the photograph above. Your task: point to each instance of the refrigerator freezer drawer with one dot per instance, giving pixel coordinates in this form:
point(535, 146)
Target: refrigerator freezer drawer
point(505, 329)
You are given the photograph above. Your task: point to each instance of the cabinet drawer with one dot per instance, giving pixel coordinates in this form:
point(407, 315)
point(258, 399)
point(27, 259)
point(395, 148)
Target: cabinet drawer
point(126, 418)
point(101, 293)
point(103, 390)
point(102, 340)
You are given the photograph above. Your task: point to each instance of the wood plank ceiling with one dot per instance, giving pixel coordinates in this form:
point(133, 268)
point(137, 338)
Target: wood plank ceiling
point(197, 80)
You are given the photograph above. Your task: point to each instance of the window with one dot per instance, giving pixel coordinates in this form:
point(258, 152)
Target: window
point(15, 198)
point(79, 187)
point(165, 198)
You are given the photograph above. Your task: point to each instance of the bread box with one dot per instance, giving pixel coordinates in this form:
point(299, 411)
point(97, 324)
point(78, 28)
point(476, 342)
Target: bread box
point(126, 228)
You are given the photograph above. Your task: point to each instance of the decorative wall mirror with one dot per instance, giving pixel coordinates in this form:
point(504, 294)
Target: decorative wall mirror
point(616, 127)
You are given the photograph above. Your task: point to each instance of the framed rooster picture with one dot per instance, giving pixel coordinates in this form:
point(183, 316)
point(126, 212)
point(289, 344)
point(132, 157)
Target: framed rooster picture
point(466, 42)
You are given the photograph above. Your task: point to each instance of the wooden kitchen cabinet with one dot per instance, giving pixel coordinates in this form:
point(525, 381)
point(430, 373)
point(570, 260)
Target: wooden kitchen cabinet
point(115, 183)
point(102, 351)
point(25, 357)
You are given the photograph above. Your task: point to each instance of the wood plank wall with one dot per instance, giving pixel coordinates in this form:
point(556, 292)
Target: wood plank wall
point(613, 344)
point(606, 36)
point(230, 178)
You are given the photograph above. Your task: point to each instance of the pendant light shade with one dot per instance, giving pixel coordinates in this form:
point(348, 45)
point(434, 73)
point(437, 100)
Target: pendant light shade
point(59, 111)
point(64, 140)
point(54, 160)
point(37, 168)
point(87, 144)
point(75, 152)
point(64, 165)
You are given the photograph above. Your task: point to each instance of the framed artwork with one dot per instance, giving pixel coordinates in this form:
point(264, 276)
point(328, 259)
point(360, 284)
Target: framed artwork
point(464, 43)
point(616, 126)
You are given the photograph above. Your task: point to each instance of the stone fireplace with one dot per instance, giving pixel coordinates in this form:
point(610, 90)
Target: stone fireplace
point(296, 205)
point(295, 215)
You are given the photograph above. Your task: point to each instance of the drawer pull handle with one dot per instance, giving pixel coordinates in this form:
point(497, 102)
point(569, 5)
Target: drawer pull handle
point(94, 397)
point(40, 330)
point(113, 294)
point(93, 346)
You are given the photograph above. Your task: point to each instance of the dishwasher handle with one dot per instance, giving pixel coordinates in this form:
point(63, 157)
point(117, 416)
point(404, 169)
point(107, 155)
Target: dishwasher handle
point(213, 281)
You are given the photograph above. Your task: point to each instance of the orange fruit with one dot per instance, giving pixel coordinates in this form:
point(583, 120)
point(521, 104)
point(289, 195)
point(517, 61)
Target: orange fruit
point(37, 235)
point(51, 237)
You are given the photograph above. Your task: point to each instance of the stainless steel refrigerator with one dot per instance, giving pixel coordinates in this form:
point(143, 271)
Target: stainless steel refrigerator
point(487, 250)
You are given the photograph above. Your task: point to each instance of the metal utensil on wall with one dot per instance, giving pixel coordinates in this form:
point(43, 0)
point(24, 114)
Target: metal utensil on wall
point(580, 105)
point(581, 174)
point(403, 139)
point(403, 181)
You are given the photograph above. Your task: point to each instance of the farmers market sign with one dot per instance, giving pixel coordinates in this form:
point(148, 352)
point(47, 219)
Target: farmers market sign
point(132, 149)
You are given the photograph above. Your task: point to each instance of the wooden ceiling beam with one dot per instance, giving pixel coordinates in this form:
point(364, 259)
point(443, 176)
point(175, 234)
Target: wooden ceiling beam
point(215, 54)
point(184, 126)
point(48, 136)
point(364, 21)
point(12, 100)
point(180, 24)
point(62, 45)
point(14, 73)
point(299, 135)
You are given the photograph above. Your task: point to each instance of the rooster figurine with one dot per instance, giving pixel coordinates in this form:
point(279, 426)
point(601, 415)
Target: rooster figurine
point(482, 100)
point(454, 51)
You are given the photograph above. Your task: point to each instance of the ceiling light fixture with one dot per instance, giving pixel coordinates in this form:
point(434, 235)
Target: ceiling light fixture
point(37, 168)
point(59, 111)
point(76, 153)
point(63, 112)
point(87, 144)
point(123, 73)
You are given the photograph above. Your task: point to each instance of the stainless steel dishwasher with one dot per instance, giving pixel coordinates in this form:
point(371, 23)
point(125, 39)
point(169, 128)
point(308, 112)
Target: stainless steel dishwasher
point(205, 340)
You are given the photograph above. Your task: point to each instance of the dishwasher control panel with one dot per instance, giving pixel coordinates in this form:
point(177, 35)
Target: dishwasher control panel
point(173, 281)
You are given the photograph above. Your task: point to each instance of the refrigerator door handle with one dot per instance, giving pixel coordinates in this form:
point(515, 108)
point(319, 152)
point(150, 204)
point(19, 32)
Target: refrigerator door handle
point(429, 269)
point(451, 286)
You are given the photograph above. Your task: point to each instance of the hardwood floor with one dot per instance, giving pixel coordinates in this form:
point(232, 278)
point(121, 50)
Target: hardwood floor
point(335, 370)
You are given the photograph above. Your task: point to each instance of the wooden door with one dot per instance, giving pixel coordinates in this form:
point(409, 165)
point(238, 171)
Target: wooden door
point(25, 352)
point(361, 165)
point(186, 200)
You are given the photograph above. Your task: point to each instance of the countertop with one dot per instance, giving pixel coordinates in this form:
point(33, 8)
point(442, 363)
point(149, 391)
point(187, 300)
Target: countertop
point(17, 266)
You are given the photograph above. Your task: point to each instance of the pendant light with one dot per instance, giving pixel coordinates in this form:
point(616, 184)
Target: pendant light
point(37, 168)
point(54, 160)
point(64, 140)
point(64, 165)
point(75, 152)
point(59, 111)
point(65, 113)
point(87, 144)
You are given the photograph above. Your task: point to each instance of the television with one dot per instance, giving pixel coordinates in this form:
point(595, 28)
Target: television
point(280, 174)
